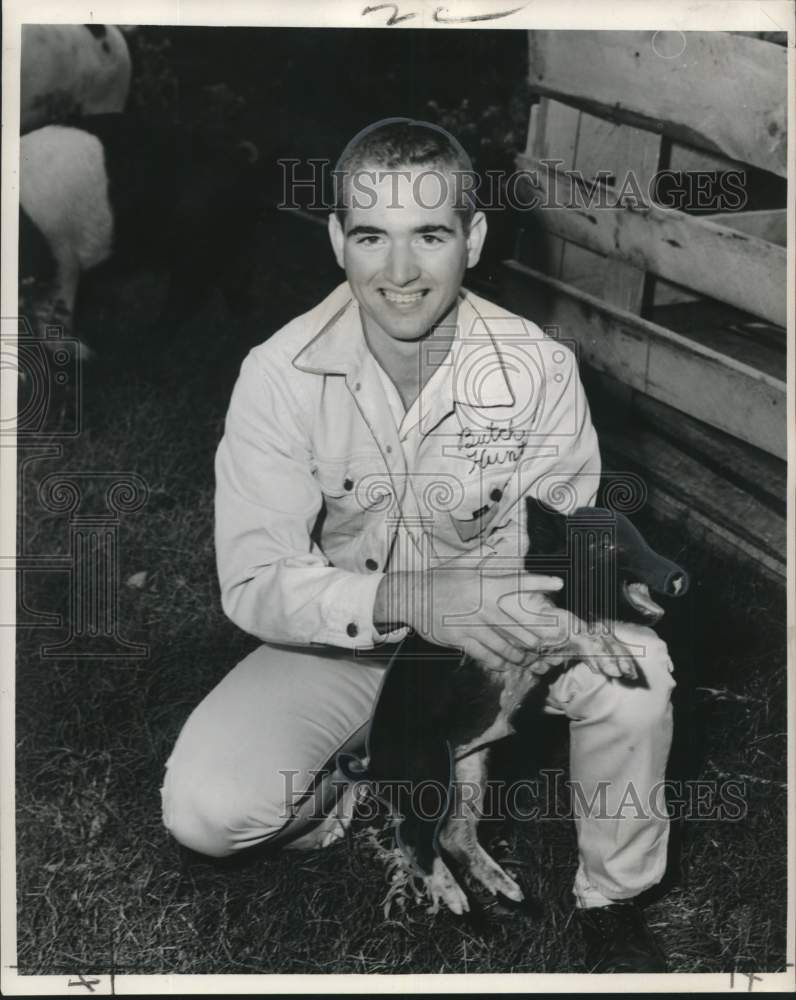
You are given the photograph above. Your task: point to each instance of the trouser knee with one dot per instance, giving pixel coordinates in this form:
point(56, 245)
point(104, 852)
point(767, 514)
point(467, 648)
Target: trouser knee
point(217, 821)
point(643, 706)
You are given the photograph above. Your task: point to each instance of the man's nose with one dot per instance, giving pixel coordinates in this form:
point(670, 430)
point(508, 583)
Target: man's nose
point(402, 268)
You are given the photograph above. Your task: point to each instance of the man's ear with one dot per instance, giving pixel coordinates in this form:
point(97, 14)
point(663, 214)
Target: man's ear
point(475, 238)
point(337, 237)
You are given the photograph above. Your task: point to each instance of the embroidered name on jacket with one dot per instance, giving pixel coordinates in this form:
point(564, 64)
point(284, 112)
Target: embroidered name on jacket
point(492, 445)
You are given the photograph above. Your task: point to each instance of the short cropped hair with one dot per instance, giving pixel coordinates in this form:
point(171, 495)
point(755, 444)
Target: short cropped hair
point(394, 143)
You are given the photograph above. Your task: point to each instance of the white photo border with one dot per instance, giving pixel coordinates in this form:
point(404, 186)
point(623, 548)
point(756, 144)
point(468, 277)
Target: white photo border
point(672, 15)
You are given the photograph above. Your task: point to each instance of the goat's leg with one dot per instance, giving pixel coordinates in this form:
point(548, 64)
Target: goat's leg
point(442, 887)
point(459, 833)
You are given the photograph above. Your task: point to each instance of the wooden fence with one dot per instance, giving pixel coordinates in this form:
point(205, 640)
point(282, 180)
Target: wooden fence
point(678, 313)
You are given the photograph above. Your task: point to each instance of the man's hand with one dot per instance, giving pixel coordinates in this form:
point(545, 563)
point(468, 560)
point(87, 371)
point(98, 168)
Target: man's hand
point(499, 617)
point(566, 637)
point(460, 608)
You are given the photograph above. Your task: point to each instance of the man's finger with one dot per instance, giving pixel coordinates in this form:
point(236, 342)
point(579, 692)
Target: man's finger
point(485, 656)
point(606, 665)
point(518, 638)
point(505, 650)
point(541, 664)
point(628, 667)
point(545, 584)
point(607, 659)
point(511, 653)
point(623, 657)
point(542, 624)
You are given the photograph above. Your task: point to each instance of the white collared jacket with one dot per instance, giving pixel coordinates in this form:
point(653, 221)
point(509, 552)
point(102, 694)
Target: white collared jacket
point(320, 491)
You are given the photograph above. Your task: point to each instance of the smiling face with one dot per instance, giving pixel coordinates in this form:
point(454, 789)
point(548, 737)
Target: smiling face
point(404, 249)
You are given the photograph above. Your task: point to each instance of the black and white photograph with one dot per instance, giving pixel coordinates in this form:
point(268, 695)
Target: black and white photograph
point(396, 536)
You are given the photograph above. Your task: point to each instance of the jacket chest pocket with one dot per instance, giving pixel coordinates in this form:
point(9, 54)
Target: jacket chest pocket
point(484, 497)
point(356, 486)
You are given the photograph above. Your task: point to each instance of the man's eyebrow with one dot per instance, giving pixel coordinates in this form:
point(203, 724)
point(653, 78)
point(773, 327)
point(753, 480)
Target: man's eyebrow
point(420, 230)
point(365, 231)
point(438, 228)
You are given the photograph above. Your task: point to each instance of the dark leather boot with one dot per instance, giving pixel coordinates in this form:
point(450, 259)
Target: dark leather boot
point(617, 939)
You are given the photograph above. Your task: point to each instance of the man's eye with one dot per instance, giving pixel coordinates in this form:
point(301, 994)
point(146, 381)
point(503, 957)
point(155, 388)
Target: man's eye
point(368, 241)
point(430, 239)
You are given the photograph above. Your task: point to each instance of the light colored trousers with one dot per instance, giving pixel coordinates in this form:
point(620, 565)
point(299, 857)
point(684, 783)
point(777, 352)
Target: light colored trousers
point(255, 745)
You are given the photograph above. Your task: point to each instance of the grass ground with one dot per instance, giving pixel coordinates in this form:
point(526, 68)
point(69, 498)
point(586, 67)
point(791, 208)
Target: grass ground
point(102, 888)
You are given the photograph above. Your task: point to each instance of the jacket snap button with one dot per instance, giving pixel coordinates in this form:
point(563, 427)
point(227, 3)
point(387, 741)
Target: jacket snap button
point(348, 484)
point(496, 494)
point(352, 630)
point(371, 564)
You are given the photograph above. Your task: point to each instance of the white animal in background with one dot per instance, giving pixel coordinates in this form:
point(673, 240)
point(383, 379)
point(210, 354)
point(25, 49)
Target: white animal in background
point(71, 69)
point(110, 187)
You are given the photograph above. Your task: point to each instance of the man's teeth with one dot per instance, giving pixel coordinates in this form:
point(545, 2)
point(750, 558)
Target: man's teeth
point(403, 298)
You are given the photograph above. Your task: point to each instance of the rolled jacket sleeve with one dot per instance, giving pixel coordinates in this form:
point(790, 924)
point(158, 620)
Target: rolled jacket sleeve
point(275, 581)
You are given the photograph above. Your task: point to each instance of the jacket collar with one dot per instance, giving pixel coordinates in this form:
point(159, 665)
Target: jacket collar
point(339, 348)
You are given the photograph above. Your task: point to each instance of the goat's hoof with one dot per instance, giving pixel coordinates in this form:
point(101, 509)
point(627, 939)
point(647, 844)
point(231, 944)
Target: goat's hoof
point(442, 887)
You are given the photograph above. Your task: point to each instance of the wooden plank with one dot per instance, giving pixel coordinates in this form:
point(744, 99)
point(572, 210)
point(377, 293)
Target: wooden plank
point(777, 37)
point(639, 151)
point(666, 294)
point(594, 147)
point(716, 261)
point(723, 328)
point(553, 130)
point(717, 489)
point(685, 159)
point(667, 366)
point(721, 92)
point(616, 150)
point(769, 224)
point(709, 524)
point(579, 266)
point(552, 125)
point(754, 471)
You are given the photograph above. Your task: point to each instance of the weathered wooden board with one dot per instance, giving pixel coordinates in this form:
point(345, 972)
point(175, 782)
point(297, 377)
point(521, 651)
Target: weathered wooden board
point(686, 159)
point(553, 125)
point(718, 489)
point(666, 294)
point(766, 224)
point(769, 224)
point(754, 471)
point(708, 507)
point(714, 260)
point(777, 37)
point(631, 149)
point(727, 331)
point(715, 90)
point(667, 366)
point(594, 147)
